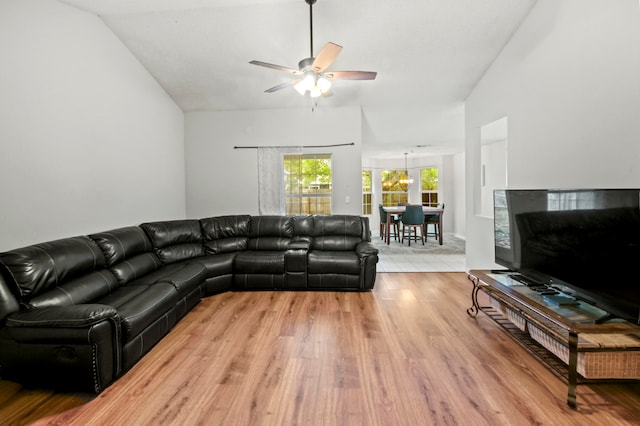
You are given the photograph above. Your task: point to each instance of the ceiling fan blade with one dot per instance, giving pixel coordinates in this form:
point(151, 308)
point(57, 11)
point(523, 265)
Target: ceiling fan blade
point(276, 67)
point(282, 86)
point(326, 56)
point(351, 75)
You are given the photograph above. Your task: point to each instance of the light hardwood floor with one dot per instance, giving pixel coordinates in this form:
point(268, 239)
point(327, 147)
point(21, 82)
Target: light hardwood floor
point(404, 354)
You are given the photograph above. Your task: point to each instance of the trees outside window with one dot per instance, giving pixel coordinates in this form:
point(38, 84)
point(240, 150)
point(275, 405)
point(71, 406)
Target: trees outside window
point(307, 184)
point(429, 186)
point(366, 192)
point(393, 190)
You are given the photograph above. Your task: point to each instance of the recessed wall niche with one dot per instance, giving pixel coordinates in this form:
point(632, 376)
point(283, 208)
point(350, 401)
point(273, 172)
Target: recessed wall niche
point(493, 164)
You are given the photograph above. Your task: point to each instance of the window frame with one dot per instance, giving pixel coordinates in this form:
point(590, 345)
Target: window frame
point(298, 188)
point(367, 192)
point(430, 197)
point(393, 191)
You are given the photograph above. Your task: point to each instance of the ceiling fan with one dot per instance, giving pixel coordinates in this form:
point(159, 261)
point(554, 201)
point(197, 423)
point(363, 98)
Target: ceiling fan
point(312, 76)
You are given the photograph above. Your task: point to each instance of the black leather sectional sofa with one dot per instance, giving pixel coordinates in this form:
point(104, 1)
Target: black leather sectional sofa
point(77, 313)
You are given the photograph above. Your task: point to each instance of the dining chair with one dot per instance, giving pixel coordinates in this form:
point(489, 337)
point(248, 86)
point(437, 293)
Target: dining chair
point(434, 220)
point(413, 217)
point(401, 204)
point(383, 224)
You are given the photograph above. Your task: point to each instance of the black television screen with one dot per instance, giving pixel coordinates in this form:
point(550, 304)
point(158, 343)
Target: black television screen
point(586, 239)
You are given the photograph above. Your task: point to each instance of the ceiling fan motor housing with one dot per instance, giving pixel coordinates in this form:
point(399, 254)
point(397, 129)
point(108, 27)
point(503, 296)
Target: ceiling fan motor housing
point(305, 64)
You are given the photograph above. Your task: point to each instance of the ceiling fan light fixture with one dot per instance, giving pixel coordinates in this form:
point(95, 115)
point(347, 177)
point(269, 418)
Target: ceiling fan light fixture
point(315, 92)
point(324, 85)
point(300, 87)
point(306, 84)
point(314, 84)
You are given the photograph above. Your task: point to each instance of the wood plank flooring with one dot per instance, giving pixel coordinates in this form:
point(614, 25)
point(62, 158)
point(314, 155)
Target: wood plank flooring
point(404, 354)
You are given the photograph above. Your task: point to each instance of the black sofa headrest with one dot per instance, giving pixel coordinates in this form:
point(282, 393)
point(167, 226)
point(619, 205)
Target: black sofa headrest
point(338, 232)
point(223, 234)
point(175, 240)
point(123, 243)
point(36, 268)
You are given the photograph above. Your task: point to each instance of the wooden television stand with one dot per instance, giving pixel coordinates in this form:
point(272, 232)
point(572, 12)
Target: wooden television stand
point(578, 341)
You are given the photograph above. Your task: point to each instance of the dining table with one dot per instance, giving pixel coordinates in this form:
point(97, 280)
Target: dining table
point(398, 210)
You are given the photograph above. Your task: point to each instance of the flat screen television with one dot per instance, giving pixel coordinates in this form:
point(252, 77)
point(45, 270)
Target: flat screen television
point(587, 241)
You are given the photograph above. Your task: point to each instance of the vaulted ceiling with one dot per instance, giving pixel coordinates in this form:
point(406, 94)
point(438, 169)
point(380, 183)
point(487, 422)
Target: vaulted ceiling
point(428, 54)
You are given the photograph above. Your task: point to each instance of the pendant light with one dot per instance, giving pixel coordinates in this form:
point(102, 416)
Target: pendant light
point(406, 180)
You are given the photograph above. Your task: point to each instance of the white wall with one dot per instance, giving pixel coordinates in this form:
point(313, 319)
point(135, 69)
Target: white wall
point(568, 81)
point(458, 197)
point(223, 180)
point(493, 174)
point(88, 140)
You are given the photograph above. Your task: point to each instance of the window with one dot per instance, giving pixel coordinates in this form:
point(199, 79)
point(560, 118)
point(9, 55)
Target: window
point(393, 191)
point(366, 192)
point(429, 186)
point(307, 184)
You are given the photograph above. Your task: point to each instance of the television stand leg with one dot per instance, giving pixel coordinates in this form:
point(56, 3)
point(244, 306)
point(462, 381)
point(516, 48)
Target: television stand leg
point(573, 368)
point(475, 307)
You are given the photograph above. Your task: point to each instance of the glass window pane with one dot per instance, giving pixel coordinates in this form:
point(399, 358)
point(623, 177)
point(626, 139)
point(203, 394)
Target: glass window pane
point(307, 176)
point(429, 186)
point(394, 187)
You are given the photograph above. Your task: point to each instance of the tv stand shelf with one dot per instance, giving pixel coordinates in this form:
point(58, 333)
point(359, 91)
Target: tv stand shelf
point(578, 342)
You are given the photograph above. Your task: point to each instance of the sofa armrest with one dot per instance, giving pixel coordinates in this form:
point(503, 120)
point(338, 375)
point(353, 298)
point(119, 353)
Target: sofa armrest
point(71, 347)
point(368, 255)
point(60, 323)
point(366, 248)
point(299, 244)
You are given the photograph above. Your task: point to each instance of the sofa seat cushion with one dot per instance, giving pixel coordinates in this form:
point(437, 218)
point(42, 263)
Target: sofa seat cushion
point(184, 276)
point(140, 306)
point(259, 262)
point(217, 265)
point(342, 262)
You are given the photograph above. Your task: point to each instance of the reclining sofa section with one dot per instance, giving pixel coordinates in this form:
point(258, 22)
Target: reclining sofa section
point(77, 313)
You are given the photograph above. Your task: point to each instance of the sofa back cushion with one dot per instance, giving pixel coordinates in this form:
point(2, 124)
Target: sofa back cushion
point(128, 252)
point(8, 301)
point(224, 234)
point(338, 232)
point(37, 268)
point(84, 289)
point(303, 227)
point(270, 232)
point(175, 240)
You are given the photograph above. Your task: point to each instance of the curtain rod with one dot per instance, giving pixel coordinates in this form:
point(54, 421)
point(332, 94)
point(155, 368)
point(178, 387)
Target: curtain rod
point(294, 146)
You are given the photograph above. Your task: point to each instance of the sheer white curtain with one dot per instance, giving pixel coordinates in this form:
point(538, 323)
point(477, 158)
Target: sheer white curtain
point(271, 179)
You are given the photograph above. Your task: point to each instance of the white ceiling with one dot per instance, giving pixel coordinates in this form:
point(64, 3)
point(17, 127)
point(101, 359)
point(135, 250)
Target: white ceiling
point(429, 54)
